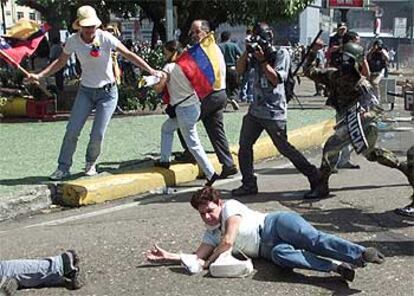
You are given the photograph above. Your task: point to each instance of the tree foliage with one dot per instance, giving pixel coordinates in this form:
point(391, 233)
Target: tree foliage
point(61, 13)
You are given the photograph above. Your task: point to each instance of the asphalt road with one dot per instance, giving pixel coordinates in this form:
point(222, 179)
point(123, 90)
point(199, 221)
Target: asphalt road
point(111, 238)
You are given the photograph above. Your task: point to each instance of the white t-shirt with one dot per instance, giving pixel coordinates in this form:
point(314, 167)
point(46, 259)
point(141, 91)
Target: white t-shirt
point(179, 87)
point(96, 71)
point(248, 237)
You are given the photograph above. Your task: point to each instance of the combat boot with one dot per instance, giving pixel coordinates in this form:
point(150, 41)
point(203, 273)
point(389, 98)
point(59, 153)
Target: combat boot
point(319, 186)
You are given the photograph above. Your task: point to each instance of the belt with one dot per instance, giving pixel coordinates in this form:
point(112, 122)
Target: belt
point(108, 86)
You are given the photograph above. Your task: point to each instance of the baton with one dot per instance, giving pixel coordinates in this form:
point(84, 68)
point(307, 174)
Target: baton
point(307, 53)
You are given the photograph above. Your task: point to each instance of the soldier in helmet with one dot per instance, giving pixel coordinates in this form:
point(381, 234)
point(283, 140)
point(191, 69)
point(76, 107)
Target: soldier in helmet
point(359, 110)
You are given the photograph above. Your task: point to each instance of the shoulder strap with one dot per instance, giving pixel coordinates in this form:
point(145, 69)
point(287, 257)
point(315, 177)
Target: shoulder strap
point(175, 105)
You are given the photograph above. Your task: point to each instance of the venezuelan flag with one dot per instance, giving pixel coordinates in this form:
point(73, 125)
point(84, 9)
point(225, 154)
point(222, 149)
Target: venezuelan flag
point(201, 65)
point(21, 42)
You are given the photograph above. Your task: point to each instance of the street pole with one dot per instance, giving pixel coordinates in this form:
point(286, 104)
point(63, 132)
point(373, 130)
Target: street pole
point(3, 16)
point(170, 19)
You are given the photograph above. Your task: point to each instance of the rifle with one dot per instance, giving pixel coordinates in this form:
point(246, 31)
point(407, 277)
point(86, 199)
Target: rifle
point(307, 52)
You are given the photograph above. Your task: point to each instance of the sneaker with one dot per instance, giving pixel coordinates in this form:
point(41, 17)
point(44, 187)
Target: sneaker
point(245, 190)
point(372, 255)
point(59, 175)
point(71, 270)
point(213, 179)
point(228, 171)
point(90, 169)
point(346, 272)
point(8, 286)
point(407, 211)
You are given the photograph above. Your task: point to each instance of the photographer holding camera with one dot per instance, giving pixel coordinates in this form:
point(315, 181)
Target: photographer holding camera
point(377, 60)
point(268, 111)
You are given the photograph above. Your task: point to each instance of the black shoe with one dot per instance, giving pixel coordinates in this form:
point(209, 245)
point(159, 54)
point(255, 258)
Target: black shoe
point(372, 255)
point(407, 211)
point(321, 191)
point(71, 270)
point(186, 157)
point(162, 164)
point(319, 185)
point(346, 272)
point(213, 179)
point(228, 171)
point(8, 286)
point(348, 165)
point(245, 190)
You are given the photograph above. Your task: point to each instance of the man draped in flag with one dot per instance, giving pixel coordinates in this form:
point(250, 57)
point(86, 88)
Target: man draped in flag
point(204, 65)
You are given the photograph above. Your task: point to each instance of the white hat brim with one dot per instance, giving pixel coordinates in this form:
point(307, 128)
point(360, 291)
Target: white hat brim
point(88, 22)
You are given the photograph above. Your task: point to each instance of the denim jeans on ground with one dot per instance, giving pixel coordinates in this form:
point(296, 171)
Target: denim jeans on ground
point(186, 121)
point(34, 273)
point(104, 102)
point(290, 241)
point(251, 130)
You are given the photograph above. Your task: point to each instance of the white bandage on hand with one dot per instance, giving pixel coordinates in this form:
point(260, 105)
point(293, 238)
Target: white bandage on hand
point(191, 263)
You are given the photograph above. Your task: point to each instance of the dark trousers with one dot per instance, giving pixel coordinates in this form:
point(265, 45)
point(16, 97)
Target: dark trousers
point(212, 108)
point(251, 129)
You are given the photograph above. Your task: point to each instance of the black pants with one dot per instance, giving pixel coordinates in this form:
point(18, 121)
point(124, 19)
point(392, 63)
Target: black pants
point(251, 129)
point(212, 117)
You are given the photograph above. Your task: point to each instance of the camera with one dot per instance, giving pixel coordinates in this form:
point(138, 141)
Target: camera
point(257, 42)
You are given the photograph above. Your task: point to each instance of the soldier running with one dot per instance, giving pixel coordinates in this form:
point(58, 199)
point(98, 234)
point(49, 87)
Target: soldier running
point(359, 110)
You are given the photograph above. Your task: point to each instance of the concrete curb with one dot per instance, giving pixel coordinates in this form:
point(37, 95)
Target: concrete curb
point(105, 188)
point(32, 200)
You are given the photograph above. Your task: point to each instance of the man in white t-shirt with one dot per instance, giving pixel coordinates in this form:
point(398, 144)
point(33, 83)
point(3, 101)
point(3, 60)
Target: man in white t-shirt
point(97, 90)
point(284, 238)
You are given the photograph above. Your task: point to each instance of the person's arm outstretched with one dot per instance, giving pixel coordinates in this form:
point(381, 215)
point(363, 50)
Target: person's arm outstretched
point(51, 69)
point(159, 255)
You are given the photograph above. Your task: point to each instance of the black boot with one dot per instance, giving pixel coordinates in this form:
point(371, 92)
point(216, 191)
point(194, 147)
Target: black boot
point(319, 186)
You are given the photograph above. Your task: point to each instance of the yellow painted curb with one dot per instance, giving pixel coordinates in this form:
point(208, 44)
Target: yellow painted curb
point(104, 188)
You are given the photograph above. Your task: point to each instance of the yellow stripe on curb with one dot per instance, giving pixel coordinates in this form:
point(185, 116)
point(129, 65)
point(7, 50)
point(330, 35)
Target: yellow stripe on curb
point(104, 188)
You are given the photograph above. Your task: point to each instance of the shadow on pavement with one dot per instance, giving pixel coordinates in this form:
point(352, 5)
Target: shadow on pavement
point(392, 248)
point(35, 180)
point(267, 272)
point(348, 219)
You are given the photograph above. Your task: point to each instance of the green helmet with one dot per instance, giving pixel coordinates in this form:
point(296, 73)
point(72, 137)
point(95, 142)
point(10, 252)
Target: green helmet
point(354, 51)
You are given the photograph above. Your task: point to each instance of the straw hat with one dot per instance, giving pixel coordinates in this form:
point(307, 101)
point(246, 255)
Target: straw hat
point(86, 17)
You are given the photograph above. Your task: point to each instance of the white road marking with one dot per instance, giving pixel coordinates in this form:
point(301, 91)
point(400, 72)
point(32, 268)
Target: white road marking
point(135, 203)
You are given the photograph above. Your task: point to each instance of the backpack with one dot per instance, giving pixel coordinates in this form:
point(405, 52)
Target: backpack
point(290, 86)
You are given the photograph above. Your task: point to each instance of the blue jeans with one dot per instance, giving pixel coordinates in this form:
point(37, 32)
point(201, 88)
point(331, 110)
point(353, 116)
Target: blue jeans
point(186, 121)
point(246, 87)
point(34, 273)
point(104, 102)
point(290, 241)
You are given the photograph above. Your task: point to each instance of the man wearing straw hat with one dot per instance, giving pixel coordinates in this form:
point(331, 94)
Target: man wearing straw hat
point(97, 89)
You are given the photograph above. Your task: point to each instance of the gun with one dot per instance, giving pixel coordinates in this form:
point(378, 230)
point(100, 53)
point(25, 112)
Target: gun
point(307, 53)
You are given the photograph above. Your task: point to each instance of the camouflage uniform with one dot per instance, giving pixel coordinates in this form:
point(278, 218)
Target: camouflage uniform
point(345, 92)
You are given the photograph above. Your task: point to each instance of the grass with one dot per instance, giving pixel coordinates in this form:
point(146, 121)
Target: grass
point(29, 151)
